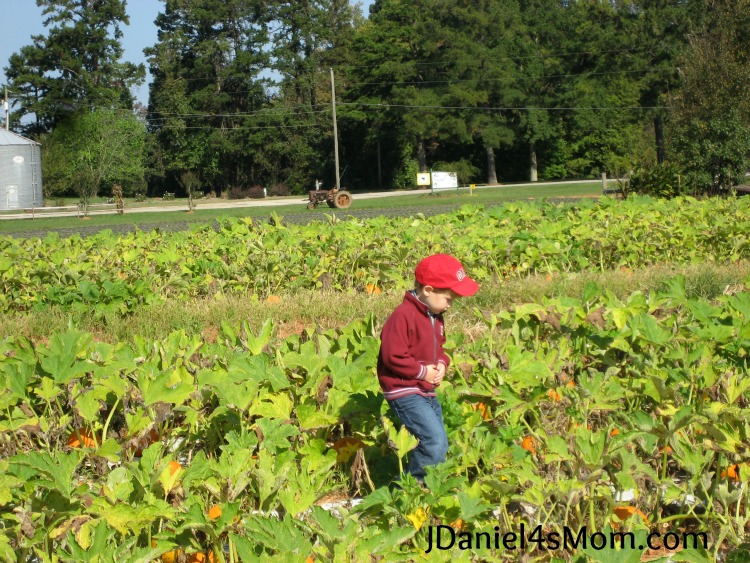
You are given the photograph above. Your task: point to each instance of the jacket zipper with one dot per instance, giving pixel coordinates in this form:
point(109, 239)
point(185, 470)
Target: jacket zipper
point(434, 339)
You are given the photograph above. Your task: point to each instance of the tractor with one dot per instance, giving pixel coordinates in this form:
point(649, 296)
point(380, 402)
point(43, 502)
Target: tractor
point(340, 199)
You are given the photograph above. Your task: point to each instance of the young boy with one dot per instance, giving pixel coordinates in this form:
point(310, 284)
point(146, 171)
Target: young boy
point(412, 363)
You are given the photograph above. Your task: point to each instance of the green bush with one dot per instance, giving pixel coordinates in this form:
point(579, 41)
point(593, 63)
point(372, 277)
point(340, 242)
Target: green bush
point(659, 180)
point(406, 175)
point(465, 170)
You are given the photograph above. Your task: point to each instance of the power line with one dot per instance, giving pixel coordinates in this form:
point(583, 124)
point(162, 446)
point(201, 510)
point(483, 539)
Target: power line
point(509, 58)
point(428, 82)
point(243, 127)
point(509, 108)
point(258, 113)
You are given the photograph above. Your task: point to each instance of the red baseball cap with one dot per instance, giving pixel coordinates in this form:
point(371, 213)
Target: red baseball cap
point(443, 271)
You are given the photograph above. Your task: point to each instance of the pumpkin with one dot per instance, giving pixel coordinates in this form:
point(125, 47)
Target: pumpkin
point(82, 438)
point(625, 512)
point(372, 289)
point(732, 472)
point(529, 444)
point(201, 557)
point(482, 409)
point(273, 299)
point(214, 512)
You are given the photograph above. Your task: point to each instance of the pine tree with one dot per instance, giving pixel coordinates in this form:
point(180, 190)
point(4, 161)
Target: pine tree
point(207, 88)
point(76, 66)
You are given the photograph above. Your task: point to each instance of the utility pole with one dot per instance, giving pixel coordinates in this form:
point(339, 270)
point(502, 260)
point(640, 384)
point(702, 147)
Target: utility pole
point(7, 111)
point(335, 132)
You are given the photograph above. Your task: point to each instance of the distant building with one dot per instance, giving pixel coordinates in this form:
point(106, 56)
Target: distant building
point(20, 172)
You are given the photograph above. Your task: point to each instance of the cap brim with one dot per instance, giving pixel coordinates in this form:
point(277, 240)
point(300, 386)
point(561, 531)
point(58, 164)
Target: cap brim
point(466, 287)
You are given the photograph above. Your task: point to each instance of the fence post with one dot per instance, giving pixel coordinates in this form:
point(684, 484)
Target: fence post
point(604, 182)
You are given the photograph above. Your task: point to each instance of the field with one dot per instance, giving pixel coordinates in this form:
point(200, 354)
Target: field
point(172, 214)
point(209, 394)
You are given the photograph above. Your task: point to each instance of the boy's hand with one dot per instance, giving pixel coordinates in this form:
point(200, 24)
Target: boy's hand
point(435, 374)
point(432, 374)
point(440, 374)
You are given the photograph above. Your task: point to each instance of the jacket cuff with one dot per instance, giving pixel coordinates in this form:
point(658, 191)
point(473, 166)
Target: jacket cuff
point(422, 372)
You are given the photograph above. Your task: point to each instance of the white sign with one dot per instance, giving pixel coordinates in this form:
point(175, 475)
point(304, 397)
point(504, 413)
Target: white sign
point(18, 159)
point(444, 180)
point(423, 179)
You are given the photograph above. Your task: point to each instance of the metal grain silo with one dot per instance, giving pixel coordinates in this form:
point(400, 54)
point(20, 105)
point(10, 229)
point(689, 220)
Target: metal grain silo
point(20, 172)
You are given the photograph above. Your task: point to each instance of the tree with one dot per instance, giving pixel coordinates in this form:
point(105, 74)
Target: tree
point(477, 42)
point(390, 87)
point(597, 97)
point(310, 37)
point(711, 123)
point(541, 64)
point(207, 89)
point(191, 183)
point(76, 67)
point(663, 28)
point(94, 149)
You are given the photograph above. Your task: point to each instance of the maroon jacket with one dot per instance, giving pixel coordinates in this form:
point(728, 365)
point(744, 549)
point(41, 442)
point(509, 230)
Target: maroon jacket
point(412, 338)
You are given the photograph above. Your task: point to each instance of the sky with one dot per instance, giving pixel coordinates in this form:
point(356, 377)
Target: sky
point(20, 19)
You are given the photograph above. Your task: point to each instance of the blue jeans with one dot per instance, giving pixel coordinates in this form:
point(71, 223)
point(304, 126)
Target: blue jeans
point(423, 417)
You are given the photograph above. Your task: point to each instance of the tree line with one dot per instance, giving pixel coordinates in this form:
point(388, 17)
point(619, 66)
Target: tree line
point(495, 90)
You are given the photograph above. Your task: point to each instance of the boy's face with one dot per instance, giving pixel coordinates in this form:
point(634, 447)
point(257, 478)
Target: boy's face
point(437, 300)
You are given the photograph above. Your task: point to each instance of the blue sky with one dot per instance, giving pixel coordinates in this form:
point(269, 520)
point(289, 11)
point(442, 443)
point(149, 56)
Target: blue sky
point(23, 18)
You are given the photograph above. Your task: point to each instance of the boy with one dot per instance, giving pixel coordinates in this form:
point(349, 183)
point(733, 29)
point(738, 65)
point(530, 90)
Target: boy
point(412, 363)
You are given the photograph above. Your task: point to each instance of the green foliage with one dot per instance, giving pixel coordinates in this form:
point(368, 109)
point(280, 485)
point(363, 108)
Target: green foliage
point(659, 180)
point(466, 171)
point(406, 175)
point(715, 154)
point(711, 114)
point(93, 150)
point(565, 88)
point(75, 67)
point(105, 274)
point(628, 391)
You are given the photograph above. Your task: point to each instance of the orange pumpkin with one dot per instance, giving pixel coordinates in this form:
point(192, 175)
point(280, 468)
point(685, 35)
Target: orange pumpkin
point(483, 410)
point(214, 512)
point(372, 289)
point(732, 472)
point(201, 557)
point(554, 396)
point(529, 444)
point(174, 467)
point(625, 512)
point(614, 432)
point(273, 299)
point(82, 438)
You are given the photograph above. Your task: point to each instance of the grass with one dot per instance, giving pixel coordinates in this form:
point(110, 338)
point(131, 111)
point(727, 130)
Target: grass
point(486, 196)
point(302, 310)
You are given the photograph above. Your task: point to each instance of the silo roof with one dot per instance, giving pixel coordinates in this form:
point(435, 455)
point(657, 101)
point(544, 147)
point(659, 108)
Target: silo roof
point(10, 138)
